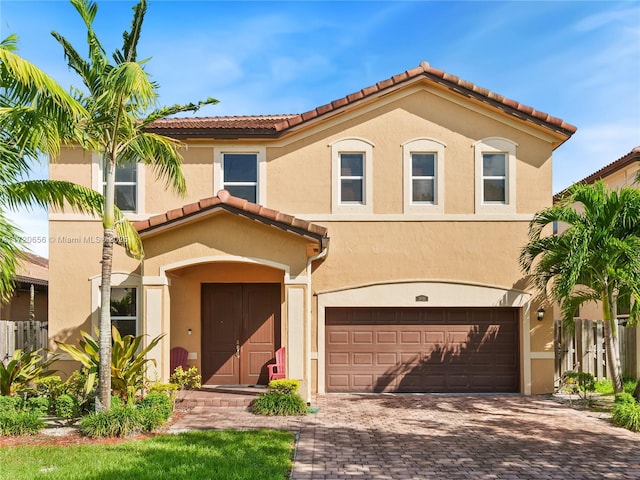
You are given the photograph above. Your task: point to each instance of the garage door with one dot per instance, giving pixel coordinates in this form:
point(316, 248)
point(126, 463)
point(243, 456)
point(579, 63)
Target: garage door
point(422, 350)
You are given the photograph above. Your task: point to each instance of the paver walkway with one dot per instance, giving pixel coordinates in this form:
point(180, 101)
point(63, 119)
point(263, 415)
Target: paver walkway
point(444, 437)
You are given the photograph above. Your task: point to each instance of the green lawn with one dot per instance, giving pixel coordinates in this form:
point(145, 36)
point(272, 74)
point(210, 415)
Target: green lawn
point(224, 455)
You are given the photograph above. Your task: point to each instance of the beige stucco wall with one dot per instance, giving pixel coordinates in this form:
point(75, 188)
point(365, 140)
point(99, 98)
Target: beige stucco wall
point(17, 309)
point(304, 165)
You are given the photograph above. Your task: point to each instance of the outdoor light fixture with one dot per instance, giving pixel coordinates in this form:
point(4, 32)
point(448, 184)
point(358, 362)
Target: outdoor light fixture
point(540, 314)
point(189, 332)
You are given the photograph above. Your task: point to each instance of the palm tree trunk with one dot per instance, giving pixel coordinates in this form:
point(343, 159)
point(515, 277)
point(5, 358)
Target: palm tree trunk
point(611, 340)
point(103, 398)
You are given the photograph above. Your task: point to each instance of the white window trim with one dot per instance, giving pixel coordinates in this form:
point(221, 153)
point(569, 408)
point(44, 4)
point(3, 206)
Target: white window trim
point(97, 176)
point(118, 280)
point(495, 145)
point(423, 145)
point(260, 152)
point(352, 145)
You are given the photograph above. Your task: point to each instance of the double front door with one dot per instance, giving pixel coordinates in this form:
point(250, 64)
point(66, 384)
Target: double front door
point(240, 332)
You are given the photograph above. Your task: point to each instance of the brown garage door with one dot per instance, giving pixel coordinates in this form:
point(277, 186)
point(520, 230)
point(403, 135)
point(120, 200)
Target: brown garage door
point(422, 350)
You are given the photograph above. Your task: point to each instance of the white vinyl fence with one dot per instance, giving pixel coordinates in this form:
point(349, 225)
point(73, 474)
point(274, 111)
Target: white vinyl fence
point(21, 335)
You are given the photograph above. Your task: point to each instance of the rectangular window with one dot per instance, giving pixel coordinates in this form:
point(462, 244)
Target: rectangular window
point(126, 186)
point(423, 178)
point(494, 177)
point(124, 311)
point(352, 178)
point(240, 175)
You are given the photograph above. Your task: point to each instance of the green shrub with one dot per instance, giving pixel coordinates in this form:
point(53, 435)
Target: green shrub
point(275, 403)
point(50, 387)
point(20, 423)
point(627, 415)
point(169, 389)
point(38, 404)
point(284, 385)
point(578, 382)
point(120, 421)
point(186, 380)
point(625, 397)
point(66, 406)
point(9, 404)
point(151, 419)
point(159, 402)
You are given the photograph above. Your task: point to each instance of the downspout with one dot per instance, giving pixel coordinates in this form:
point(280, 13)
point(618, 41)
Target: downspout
point(325, 249)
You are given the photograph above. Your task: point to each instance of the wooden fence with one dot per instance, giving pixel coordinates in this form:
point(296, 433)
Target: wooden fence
point(585, 349)
point(21, 335)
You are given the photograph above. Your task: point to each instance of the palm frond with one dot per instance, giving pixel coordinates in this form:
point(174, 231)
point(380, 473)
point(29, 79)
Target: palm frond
point(161, 153)
point(130, 39)
point(11, 254)
point(175, 109)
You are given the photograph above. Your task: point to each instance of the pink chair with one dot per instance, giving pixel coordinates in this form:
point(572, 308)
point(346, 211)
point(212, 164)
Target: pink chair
point(278, 370)
point(178, 358)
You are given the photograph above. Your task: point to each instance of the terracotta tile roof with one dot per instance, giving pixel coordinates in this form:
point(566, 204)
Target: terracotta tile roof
point(253, 122)
point(239, 206)
point(276, 125)
point(619, 164)
point(33, 269)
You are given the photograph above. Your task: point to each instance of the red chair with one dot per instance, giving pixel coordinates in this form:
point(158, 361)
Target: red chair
point(278, 370)
point(178, 358)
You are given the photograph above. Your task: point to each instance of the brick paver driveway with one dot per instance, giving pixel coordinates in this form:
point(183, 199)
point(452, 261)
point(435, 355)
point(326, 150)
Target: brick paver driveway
point(445, 437)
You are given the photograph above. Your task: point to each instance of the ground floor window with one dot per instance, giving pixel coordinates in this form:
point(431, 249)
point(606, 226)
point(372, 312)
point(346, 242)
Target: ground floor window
point(124, 311)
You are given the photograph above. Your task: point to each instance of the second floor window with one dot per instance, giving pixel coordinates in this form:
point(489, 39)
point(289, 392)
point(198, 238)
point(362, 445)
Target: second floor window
point(494, 178)
point(352, 171)
point(423, 177)
point(126, 186)
point(240, 175)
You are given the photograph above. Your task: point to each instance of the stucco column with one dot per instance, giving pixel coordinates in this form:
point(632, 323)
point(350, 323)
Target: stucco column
point(157, 322)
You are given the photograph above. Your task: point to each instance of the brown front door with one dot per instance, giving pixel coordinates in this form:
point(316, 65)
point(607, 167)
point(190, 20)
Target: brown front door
point(240, 332)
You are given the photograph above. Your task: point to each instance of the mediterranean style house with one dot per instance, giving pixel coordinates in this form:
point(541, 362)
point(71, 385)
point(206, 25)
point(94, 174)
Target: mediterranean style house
point(375, 237)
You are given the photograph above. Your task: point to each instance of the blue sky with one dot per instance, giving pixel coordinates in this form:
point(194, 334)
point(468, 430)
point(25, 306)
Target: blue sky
point(577, 60)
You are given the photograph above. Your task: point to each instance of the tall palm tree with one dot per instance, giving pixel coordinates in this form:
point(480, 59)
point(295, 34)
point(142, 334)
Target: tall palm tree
point(595, 259)
point(36, 116)
point(121, 103)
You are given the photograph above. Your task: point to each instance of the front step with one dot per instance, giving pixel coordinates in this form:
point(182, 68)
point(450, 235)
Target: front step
point(211, 398)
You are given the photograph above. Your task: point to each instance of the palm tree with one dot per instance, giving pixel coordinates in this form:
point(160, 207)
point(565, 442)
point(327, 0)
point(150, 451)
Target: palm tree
point(36, 115)
point(596, 259)
point(120, 102)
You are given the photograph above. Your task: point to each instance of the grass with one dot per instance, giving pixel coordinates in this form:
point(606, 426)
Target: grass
point(605, 387)
point(224, 455)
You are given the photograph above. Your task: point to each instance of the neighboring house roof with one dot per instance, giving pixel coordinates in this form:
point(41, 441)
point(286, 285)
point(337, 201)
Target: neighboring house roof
point(613, 167)
point(277, 125)
point(238, 206)
point(33, 270)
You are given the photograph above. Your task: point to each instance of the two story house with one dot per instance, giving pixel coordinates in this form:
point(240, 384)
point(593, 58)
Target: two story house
point(375, 237)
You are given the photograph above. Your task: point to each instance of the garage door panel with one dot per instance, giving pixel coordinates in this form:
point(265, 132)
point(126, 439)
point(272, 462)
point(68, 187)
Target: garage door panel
point(360, 359)
point(363, 337)
point(422, 349)
point(338, 336)
point(387, 337)
point(386, 359)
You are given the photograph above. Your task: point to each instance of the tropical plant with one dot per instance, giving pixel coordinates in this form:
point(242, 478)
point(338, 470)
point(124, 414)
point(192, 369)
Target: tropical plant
point(36, 116)
point(23, 369)
point(595, 259)
point(128, 362)
point(119, 103)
